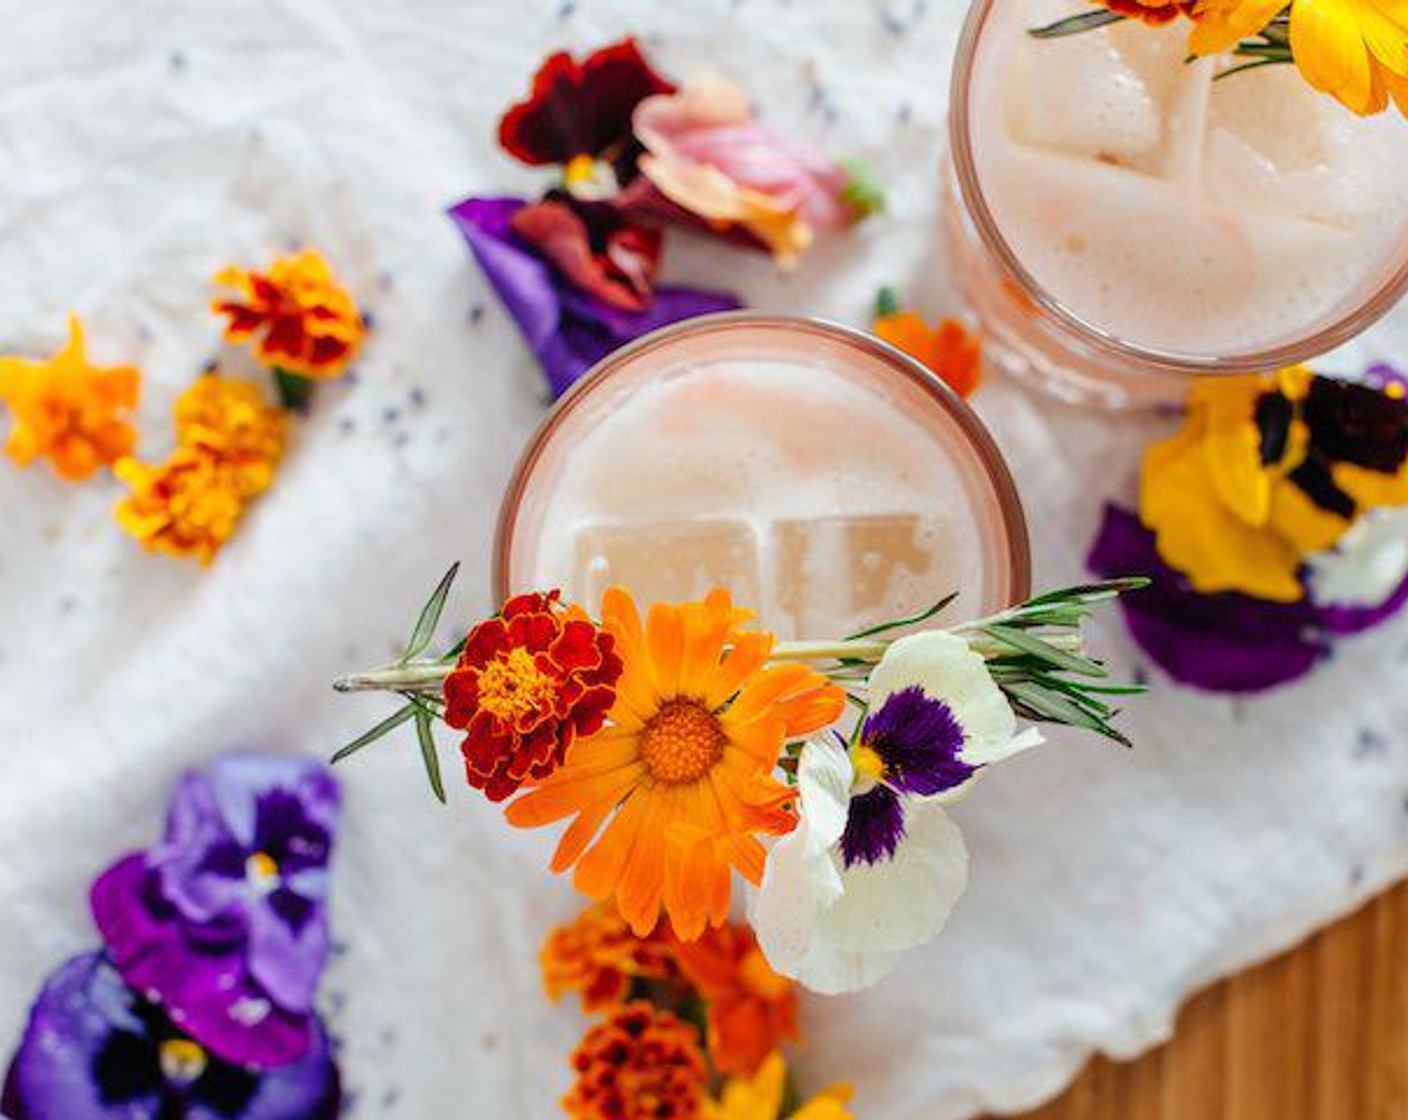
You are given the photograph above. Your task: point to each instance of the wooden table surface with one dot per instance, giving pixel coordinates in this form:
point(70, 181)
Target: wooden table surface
point(1318, 1034)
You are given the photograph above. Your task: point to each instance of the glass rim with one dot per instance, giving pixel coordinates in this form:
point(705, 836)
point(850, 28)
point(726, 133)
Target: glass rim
point(1291, 353)
point(975, 432)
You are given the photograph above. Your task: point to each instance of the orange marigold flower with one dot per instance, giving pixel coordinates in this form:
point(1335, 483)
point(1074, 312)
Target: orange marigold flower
point(751, 1009)
point(597, 955)
point(68, 410)
point(529, 681)
point(641, 1063)
point(682, 779)
point(233, 419)
point(187, 506)
point(299, 317)
point(950, 350)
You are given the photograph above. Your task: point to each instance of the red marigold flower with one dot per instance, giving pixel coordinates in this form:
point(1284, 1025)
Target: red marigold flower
point(298, 316)
point(596, 249)
point(1153, 12)
point(580, 109)
point(530, 680)
point(641, 1063)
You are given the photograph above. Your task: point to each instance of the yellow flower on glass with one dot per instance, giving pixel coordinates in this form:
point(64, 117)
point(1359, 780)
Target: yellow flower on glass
point(232, 420)
point(1354, 50)
point(68, 410)
point(761, 1097)
point(297, 315)
point(187, 506)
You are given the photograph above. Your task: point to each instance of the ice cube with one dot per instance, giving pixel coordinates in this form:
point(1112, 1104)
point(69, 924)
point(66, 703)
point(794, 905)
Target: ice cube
point(668, 561)
point(1272, 149)
point(835, 575)
point(1108, 95)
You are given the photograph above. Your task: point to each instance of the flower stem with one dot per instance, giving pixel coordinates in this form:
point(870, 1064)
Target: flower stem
point(415, 676)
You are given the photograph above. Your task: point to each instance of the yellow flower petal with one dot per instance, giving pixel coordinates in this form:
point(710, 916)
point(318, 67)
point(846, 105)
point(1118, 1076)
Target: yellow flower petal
point(1329, 48)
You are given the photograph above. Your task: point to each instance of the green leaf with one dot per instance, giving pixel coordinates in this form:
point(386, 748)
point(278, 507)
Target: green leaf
point(1038, 703)
point(1029, 643)
point(1074, 25)
point(887, 302)
point(861, 193)
point(390, 723)
point(426, 734)
point(914, 619)
point(430, 615)
point(295, 390)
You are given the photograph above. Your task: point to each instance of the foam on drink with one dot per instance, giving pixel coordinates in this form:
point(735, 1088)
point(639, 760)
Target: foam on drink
point(823, 489)
point(1177, 212)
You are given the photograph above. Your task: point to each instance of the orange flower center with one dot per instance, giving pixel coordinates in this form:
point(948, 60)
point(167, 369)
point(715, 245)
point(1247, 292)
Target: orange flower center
point(682, 742)
point(512, 686)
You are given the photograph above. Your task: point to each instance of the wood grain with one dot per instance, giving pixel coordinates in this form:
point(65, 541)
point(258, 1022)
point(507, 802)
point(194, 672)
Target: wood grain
point(1318, 1034)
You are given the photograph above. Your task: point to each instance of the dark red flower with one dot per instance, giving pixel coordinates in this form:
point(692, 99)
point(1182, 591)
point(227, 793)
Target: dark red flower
point(595, 249)
point(580, 109)
point(530, 680)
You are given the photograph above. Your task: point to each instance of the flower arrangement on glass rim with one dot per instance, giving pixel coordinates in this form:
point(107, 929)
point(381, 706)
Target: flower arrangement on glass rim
point(1354, 50)
point(683, 745)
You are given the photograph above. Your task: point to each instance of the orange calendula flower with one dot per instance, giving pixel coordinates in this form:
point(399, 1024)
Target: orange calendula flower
point(598, 956)
point(68, 410)
point(681, 783)
point(950, 350)
point(529, 682)
point(300, 319)
point(762, 1096)
point(640, 1063)
point(187, 506)
point(751, 1009)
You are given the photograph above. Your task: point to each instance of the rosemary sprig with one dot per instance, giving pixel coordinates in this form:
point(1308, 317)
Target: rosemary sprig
point(1074, 25)
point(416, 682)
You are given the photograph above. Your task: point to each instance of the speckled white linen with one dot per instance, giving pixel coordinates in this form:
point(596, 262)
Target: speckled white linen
point(143, 144)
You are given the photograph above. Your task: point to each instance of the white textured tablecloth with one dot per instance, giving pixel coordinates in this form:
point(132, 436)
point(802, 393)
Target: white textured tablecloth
point(143, 144)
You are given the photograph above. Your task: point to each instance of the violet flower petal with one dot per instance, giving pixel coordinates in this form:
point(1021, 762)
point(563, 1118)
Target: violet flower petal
point(92, 1050)
point(568, 330)
point(920, 741)
point(1227, 642)
point(1345, 620)
point(206, 987)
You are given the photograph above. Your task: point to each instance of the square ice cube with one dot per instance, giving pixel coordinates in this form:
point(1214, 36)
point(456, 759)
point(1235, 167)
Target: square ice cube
point(834, 575)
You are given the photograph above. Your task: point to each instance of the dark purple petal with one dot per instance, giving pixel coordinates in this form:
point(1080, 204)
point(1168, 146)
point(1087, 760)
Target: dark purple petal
point(1344, 620)
point(1227, 642)
point(920, 740)
point(92, 1051)
point(568, 330)
point(874, 827)
point(206, 987)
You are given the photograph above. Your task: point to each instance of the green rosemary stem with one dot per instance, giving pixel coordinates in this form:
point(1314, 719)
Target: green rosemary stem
point(414, 676)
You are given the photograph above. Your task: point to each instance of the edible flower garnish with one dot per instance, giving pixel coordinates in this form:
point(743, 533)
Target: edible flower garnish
point(720, 736)
point(303, 324)
point(1272, 524)
point(569, 298)
point(1354, 50)
point(639, 1063)
point(764, 1095)
point(949, 350)
point(68, 410)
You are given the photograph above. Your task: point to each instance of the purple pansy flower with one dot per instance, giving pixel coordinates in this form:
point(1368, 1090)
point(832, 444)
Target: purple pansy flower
point(95, 1050)
point(1224, 642)
point(910, 743)
point(569, 329)
point(224, 921)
